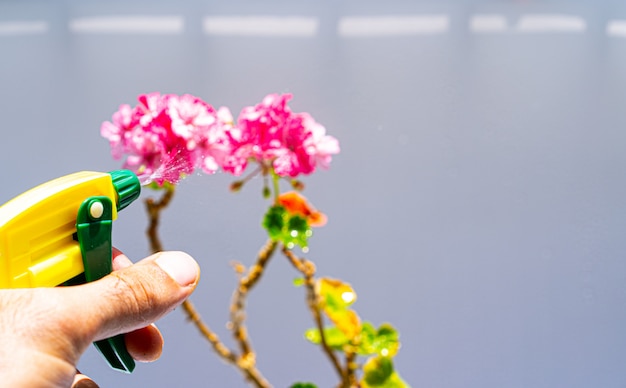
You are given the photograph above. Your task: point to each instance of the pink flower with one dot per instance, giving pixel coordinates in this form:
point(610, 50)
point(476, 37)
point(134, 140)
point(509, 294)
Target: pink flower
point(271, 134)
point(190, 117)
point(118, 130)
point(167, 136)
point(318, 145)
point(216, 146)
point(153, 148)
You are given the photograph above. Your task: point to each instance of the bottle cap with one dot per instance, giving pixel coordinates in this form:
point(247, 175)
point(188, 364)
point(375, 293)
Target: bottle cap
point(127, 186)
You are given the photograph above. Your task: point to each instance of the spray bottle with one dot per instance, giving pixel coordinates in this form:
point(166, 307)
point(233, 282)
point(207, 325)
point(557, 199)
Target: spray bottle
point(59, 234)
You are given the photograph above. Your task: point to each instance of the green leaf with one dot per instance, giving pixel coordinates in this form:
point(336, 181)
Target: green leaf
point(298, 282)
point(290, 229)
point(377, 370)
point(394, 381)
point(274, 221)
point(335, 337)
point(303, 385)
point(384, 341)
point(298, 223)
point(297, 231)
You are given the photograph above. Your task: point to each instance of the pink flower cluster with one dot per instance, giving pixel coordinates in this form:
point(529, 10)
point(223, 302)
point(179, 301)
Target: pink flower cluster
point(167, 136)
point(270, 133)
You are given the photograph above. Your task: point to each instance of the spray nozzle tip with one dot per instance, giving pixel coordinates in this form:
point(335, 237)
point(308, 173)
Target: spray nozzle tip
point(127, 187)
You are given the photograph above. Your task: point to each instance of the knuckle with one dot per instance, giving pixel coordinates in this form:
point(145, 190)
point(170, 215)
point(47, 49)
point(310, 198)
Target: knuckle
point(136, 297)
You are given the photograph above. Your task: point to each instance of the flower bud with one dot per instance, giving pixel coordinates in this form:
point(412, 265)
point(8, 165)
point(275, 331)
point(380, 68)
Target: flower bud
point(297, 185)
point(236, 186)
point(266, 192)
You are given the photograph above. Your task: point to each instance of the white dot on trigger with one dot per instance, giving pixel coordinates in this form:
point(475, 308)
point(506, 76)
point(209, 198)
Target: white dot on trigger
point(96, 209)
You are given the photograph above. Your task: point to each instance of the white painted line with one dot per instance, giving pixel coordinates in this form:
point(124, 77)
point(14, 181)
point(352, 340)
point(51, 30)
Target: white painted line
point(128, 25)
point(393, 25)
point(551, 23)
point(488, 23)
point(12, 28)
point(266, 26)
point(616, 28)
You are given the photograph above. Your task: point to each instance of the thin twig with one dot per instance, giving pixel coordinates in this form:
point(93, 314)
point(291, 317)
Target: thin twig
point(351, 367)
point(242, 363)
point(213, 338)
point(251, 374)
point(154, 214)
point(307, 269)
point(237, 308)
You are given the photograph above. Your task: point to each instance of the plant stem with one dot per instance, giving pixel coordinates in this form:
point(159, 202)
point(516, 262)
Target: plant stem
point(242, 363)
point(237, 308)
point(351, 368)
point(275, 181)
point(307, 269)
point(154, 214)
point(251, 374)
point(213, 338)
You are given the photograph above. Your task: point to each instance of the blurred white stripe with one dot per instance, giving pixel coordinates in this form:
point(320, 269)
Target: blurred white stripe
point(393, 25)
point(616, 28)
point(551, 23)
point(23, 28)
point(488, 23)
point(129, 24)
point(261, 26)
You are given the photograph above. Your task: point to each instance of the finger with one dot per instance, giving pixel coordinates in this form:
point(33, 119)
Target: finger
point(145, 344)
point(82, 381)
point(119, 260)
point(135, 296)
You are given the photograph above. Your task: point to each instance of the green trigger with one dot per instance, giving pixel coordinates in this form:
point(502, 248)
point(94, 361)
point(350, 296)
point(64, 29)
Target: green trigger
point(93, 230)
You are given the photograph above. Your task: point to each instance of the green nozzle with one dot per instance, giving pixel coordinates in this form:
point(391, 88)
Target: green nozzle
point(127, 187)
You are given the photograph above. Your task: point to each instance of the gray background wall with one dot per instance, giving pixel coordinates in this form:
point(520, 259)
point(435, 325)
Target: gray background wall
point(478, 203)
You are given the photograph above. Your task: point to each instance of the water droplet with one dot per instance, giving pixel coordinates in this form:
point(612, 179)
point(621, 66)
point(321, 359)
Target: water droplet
point(348, 297)
point(145, 179)
point(294, 233)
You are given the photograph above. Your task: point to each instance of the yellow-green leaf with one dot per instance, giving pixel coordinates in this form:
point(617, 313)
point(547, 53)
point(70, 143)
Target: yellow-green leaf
point(347, 321)
point(378, 372)
point(382, 341)
point(336, 298)
point(335, 294)
point(303, 385)
point(394, 381)
point(335, 338)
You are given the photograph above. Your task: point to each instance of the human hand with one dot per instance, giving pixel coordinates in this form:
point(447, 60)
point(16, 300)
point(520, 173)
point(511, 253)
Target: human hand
point(44, 331)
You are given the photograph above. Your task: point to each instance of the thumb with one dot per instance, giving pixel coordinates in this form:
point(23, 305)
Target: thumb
point(136, 296)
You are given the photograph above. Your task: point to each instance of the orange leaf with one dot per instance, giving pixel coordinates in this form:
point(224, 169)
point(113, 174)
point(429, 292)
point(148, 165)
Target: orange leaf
point(296, 203)
point(347, 321)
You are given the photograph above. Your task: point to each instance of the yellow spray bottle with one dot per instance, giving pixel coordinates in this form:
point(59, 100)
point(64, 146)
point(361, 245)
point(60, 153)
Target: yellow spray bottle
point(59, 233)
